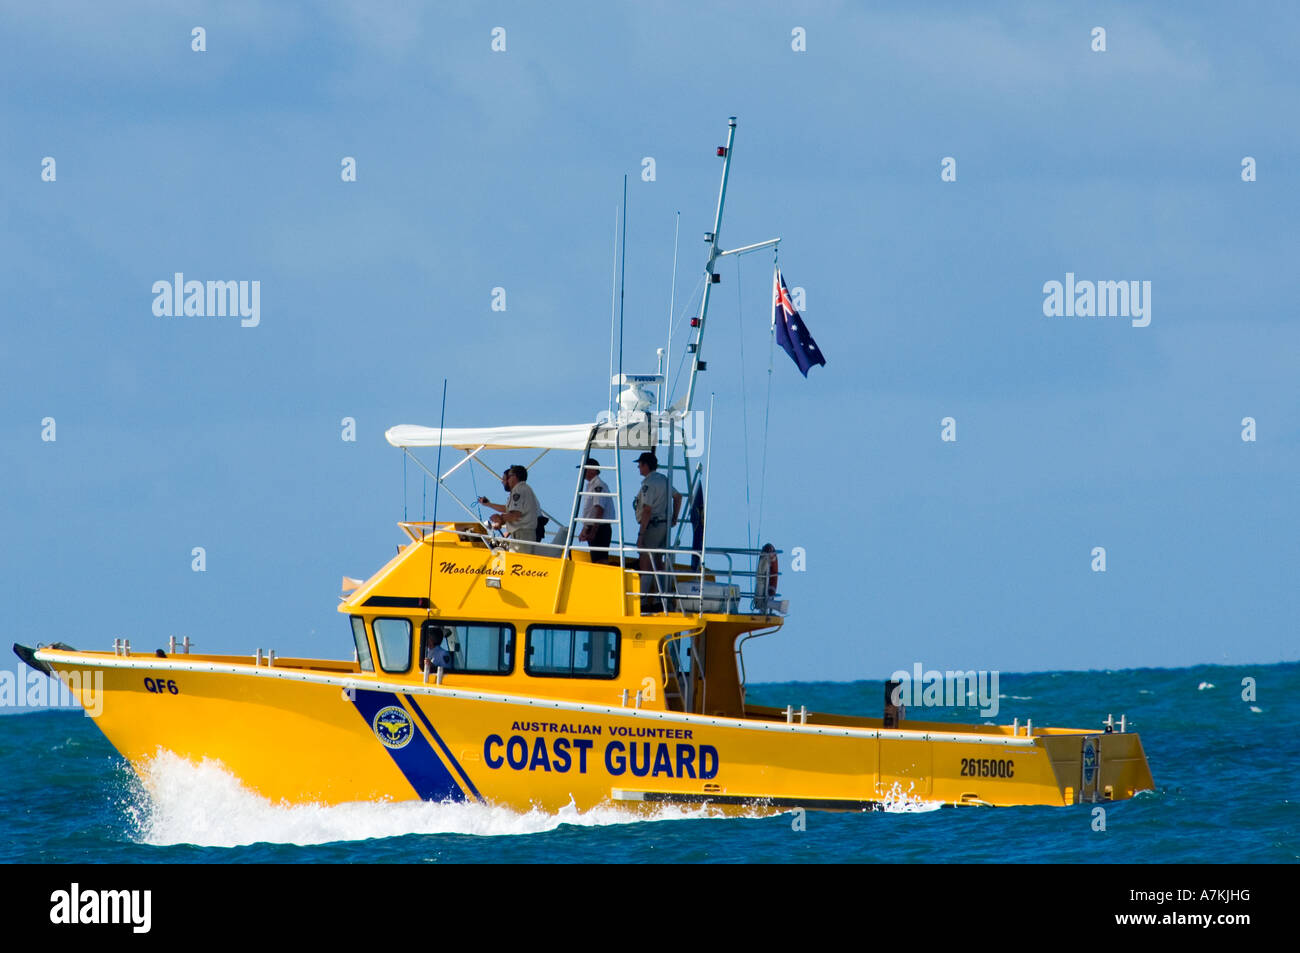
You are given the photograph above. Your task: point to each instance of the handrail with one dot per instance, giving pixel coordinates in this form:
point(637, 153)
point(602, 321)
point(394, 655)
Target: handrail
point(740, 656)
point(683, 690)
point(449, 526)
point(678, 567)
point(573, 521)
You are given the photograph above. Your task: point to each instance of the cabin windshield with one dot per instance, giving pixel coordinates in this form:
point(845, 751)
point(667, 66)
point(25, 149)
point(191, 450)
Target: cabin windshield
point(362, 644)
point(393, 642)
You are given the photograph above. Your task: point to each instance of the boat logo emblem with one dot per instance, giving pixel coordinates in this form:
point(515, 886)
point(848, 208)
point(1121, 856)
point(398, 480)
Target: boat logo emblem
point(393, 727)
point(1089, 761)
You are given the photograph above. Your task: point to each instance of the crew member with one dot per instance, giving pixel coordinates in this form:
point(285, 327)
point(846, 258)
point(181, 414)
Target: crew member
point(518, 517)
point(438, 656)
point(652, 513)
point(596, 507)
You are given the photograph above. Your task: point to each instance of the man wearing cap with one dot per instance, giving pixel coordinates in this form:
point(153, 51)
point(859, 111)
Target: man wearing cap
point(437, 654)
point(518, 517)
point(596, 507)
point(652, 514)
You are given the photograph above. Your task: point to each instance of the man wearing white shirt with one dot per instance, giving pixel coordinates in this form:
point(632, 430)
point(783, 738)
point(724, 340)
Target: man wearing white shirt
point(596, 507)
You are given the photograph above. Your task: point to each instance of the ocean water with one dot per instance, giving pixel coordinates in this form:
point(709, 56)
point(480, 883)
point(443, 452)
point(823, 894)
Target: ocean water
point(1226, 775)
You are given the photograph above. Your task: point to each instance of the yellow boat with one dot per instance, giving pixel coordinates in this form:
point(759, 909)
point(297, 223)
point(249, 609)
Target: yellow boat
point(563, 679)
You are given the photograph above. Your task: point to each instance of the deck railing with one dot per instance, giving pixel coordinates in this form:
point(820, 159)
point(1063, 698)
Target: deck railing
point(720, 586)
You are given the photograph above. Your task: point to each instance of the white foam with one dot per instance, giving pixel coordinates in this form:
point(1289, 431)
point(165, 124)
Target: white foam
point(898, 801)
point(1204, 685)
point(177, 801)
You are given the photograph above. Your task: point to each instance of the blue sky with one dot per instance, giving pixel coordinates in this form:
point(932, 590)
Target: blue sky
point(479, 169)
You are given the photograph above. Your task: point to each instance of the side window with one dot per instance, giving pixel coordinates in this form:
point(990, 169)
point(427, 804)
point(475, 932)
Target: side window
point(393, 642)
point(572, 652)
point(363, 644)
point(475, 648)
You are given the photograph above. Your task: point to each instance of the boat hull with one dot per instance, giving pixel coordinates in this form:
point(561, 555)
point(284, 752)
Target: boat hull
point(300, 735)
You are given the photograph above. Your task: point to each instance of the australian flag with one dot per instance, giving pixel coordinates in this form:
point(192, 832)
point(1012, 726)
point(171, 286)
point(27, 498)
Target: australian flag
point(791, 331)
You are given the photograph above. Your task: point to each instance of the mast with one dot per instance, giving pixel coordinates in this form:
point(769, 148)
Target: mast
point(709, 274)
point(683, 407)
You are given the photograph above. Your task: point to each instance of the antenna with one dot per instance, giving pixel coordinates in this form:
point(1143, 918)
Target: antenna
point(672, 307)
point(613, 314)
point(442, 427)
point(622, 280)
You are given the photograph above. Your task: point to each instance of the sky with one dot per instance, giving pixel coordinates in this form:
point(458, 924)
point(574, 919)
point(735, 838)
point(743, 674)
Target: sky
point(479, 169)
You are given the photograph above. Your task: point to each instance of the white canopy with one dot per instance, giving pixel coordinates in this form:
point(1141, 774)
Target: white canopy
point(554, 437)
point(646, 433)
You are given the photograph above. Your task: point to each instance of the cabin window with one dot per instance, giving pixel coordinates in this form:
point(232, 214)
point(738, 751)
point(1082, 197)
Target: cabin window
point(393, 642)
point(363, 644)
point(572, 652)
point(476, 648)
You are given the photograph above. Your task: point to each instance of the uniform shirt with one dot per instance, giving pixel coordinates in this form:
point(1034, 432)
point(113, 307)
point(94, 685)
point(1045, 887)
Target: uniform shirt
point(441, 658)
point(523, 499)
point(655, 494)
point(597, 485)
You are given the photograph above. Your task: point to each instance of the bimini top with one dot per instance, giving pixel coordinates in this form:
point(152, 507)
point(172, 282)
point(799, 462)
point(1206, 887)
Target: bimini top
point(639, 432)
point(555, 437)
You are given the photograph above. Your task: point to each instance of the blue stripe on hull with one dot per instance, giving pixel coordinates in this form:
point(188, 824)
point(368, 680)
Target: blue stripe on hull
point(443, 745)
point(416, 759)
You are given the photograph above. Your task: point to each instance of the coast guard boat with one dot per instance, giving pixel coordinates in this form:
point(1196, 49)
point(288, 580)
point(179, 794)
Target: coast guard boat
point(564, 679)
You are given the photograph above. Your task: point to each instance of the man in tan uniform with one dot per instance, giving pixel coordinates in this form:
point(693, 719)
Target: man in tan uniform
point(652, 514)
point(517, 517)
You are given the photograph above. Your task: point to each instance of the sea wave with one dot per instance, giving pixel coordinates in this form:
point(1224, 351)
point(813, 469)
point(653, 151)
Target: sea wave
point(175, 801)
